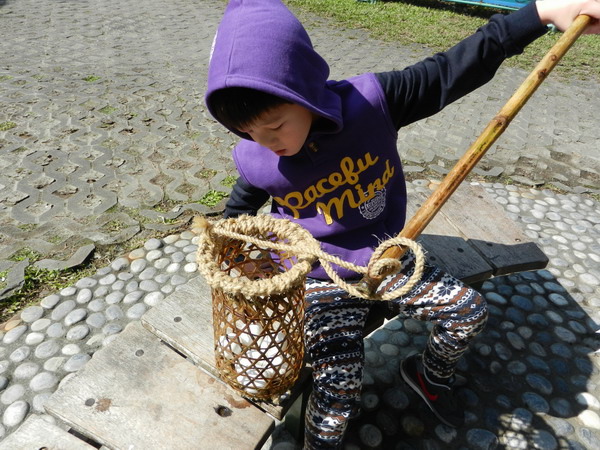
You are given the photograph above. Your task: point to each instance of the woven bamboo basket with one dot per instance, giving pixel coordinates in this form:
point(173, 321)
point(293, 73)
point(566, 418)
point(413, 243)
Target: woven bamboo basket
point(257, 332)
point(257, 267)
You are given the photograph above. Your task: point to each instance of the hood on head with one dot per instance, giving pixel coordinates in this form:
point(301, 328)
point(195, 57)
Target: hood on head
point(261, 45)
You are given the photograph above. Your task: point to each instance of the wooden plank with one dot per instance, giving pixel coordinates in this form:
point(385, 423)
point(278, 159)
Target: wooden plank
point(184, 321)
point(488, 229)
point(36, 433)
point(139, 393)
point(447, 248)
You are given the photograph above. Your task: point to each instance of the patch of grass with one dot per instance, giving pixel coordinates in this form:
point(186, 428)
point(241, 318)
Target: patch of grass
point(229, 181)
point(91, 78)
point(27, 226)
point(25, 253)
point(212, 198)
point(114, 226)
point(55, 239)
point(39, 282)
point(207, 173)
point(5, 77)
point(5, 126)
point(107, 109)
point(439, 25)
point(3, 275)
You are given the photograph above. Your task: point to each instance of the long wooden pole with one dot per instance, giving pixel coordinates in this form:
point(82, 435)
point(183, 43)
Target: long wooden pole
point(475, 152)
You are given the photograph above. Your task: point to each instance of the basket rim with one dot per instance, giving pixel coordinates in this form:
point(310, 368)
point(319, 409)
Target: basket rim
point(211, 242)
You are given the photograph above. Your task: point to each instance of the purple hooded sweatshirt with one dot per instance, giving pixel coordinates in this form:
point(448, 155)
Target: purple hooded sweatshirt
point(346, 185)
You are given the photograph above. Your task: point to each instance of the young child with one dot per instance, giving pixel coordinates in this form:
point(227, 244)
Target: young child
point(325, 152)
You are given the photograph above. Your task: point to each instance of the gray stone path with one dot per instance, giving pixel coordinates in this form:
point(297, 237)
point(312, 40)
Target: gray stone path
point(104, 139)
point(103, 131)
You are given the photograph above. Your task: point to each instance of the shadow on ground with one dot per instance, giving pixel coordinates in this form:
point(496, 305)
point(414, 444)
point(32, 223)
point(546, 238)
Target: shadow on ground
point(529, 376)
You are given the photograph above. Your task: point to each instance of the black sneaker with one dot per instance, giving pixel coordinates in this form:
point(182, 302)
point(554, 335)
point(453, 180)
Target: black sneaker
point(439, 397)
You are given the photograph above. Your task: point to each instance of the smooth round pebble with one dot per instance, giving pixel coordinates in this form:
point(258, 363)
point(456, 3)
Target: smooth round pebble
point(20, 354)
point(15, 413)
point(78, 332)
point(96, 320)
point(70, 349)
point(12, 394)
point(153, 298)
point(190, 267)
point(32, 313)
point(119, 264)
point(14, 334)
point(50, 301)
point(84, 296)
point(153, 244)
point(138, 265)
point(480, 439)
point(114, 312)
point(26, 370)
point(40, 324)
point(56, 330)
point(136, 311)
point(54, 364)
point(43, 381)
point(62, 310)
point(77, 315)
point(39, 401)
point(47, 349)
point(133, 297)
point(76, 362)
point(86, 282)
point(114, 297)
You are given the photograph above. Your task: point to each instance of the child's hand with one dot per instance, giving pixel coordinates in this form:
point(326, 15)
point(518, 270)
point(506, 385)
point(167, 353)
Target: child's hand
point(561, 13)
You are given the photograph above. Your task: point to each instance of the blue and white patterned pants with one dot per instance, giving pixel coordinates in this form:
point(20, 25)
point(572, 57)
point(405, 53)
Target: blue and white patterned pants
point(334, 325)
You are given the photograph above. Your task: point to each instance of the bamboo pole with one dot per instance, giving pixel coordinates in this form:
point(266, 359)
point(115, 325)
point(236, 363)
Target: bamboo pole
point(475, 152)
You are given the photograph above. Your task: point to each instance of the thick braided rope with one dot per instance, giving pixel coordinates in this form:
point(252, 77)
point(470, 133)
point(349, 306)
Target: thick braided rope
point(304, 246)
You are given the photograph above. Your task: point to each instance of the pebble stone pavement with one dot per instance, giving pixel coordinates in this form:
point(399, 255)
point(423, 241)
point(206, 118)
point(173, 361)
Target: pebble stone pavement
point(103, 137)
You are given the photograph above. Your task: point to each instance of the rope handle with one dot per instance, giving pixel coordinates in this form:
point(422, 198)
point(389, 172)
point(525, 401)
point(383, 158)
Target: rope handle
point(308, 250)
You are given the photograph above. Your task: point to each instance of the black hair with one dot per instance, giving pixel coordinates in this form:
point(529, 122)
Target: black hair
point(237, 107)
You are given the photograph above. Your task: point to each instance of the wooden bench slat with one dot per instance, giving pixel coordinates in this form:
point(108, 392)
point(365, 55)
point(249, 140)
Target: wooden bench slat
point(488, 229)
point(447, 249)
point(184, 321)
point(139, 393)
point(36, 433)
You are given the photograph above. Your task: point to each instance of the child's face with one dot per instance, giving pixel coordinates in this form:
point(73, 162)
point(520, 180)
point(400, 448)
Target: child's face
point(282, 129)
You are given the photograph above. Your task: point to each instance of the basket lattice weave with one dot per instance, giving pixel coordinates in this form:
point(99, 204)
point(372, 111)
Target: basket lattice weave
point(257, 267)
point(258, 337)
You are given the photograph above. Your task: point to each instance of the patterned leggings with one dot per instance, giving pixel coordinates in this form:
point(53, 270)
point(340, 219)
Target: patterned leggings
point(333, 329)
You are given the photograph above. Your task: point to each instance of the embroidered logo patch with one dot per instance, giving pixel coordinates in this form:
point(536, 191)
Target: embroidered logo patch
point(373, 207)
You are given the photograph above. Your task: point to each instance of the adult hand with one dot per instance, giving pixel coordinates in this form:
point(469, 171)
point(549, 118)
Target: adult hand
point(561, 13)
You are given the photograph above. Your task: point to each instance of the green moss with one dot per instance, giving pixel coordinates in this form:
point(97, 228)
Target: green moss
point(212, 198)
point(207, 173)
point(5, 126)
point(91, 78)
point(25, 253)
point(27, 226)
point(107, 109)
point(229, 181)
point(5, 77)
